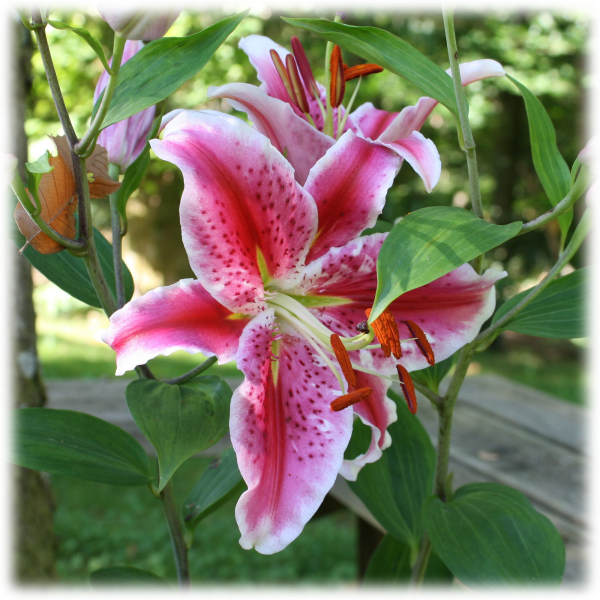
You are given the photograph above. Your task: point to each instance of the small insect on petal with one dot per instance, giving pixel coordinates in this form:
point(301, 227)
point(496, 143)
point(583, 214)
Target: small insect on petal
point(304, 66)
point(363, 327)
point(342, 357)
point(338, 85)
point(361, 71)
point(408, 388)
point(350, 399)
point(421, 341)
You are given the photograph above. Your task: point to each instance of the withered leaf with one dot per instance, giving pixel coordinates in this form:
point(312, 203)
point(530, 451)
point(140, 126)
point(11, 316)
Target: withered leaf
point(58, 202)
point(97, 165)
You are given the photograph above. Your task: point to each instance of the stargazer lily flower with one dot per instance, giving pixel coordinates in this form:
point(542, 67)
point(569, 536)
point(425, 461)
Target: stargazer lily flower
point(8, 164)
point(125, 140)
point(284, 285)
point(274, 114)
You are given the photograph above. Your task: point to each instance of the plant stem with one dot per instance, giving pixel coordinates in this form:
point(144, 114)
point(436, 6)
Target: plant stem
point(115, 221)
point(434, 398)
point(465, 126)
point(420, 566)
point(176, 532)
point(109, 90)
point(561, 208)
point(209, 362)
point(577, 238)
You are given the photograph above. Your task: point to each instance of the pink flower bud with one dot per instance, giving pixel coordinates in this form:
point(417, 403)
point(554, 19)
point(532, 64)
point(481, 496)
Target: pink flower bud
point(590, 155)
point(125, 140)
point(8, 164)
point(139, 25)
point(592, 199)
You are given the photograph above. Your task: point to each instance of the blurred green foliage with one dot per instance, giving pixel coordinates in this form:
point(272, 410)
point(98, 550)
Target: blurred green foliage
point(544, 50)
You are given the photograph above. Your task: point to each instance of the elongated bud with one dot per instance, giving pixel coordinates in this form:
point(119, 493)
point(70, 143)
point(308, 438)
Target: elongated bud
point(283, 74)
point(338, 85)
point(361, 71)
point(343, 359)
point(294, 76)
point(592, 199)
point(408, 388)
point(305, 70)
point(139, 25)
point(590, 155)
point(349, 399)
point(8, 164)
point(421, 341)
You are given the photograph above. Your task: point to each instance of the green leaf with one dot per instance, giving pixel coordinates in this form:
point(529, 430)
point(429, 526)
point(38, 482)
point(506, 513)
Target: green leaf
point(179, 420)
point(379, 227)
point(69, 272)
point(220, 482)
point(432, 376)
point(390, 563)
point(558, 312)
point(72, 443)
point(87, 36)
point(429, 243)
point(381, 47)
point(547, 160)
point(395, 487)
point(161, 66)
point(124, 576)
point(489, 534)
point(35, 170)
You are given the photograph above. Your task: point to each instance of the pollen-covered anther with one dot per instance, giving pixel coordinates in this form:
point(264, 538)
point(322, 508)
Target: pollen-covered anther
point(408, 388)
point(337, 86)
point(343, 359)
point(361, 71)
point(421, 341)
point(386, 330)
point(349, 399)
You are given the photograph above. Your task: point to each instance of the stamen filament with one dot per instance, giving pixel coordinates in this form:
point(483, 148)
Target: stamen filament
point(342, 123)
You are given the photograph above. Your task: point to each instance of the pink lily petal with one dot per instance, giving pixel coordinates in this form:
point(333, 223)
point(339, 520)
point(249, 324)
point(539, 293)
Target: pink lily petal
point(289, 443)
point(302, 143)
point(349, 185)
point(450, 310)
point(372, 121)
point(239, 198)
point(378, 412)
point(182, 316)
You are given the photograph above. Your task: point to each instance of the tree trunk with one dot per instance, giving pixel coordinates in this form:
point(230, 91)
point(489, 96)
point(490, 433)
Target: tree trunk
point(34, 541)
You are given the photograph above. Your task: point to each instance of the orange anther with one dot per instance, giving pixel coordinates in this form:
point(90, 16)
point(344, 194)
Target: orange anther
point(421, 341)
point(337, 86)
point(343, 358)
point(408, 388)
point(350, 399)
point(386, 330)
point(361, 71)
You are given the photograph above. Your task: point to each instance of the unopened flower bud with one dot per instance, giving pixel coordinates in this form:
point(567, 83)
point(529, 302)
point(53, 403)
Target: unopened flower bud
point(8, 164)
point(590, 155)
point(141, 24)
point(592, 199)
point(125, 140)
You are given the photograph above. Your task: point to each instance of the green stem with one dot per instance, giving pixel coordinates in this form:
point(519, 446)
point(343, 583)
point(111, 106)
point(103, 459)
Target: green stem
point(465, 127)
point(176, 532)
point(328, 126)
point(579, 187)
point(209, 362)
point(434, 398)
point(89, 137)
point(115, 221)
point(577, 238)
point(420, 566)
point(77, 246)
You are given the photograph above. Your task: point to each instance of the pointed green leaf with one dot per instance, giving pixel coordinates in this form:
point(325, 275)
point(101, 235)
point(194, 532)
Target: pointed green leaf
point(558, 312)
point(72, 443)
point(395, 487)
point(92, 42)
point(161, 66)
point(489, 534)
point(179, 420)
point(547, 159)
point(385, 49)
point(429, 243)
point(69, 272)
point(35, 170)
point(220, 482)
point(390, 563)
point(124, 576)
